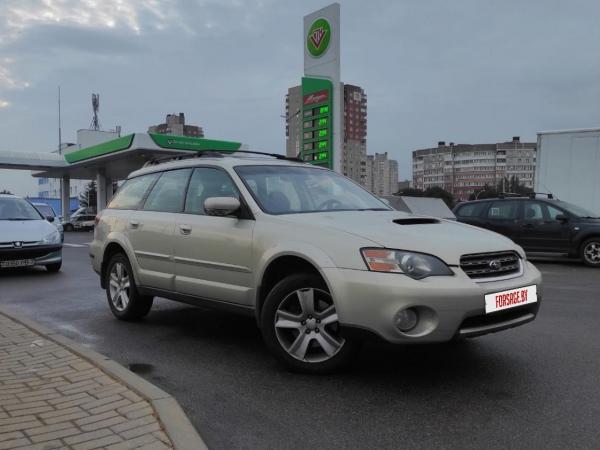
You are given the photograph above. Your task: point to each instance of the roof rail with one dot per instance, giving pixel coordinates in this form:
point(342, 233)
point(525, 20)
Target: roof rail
point(548, 195)
point(509, 194)
point(215, 154)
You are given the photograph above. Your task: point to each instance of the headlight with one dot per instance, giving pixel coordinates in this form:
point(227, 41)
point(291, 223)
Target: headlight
point(415, 265)
point(52, 238)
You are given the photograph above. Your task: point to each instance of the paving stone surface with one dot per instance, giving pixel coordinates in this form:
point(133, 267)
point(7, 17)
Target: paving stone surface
point(50, 398)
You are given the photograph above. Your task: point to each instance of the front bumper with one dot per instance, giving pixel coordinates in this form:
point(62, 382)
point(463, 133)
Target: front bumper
point(41, 254)
point(448, 306)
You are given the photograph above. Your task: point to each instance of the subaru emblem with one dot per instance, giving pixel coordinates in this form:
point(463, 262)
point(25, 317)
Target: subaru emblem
point(17, 244)
point(495, 264)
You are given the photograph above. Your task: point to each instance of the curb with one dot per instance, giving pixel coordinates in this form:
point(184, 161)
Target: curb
point(177, 425)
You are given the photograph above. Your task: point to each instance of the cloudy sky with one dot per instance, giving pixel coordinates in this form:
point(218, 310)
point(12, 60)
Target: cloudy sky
point(466, 71)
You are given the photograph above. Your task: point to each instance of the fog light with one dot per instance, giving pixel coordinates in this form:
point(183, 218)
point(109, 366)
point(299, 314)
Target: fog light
point(407, 319)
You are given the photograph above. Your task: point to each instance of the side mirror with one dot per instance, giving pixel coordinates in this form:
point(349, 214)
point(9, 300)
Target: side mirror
point(561, 218)
point(50, 219)
point(221, 206)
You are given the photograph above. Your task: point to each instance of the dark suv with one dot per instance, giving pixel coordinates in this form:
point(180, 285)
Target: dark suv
point(538, 224)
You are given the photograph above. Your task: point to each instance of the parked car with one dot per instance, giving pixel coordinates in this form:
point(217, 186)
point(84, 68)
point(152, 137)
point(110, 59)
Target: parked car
point(48, 212)
point(315, 258)
point(538, 224)
point(79, 222)
point(26, 237)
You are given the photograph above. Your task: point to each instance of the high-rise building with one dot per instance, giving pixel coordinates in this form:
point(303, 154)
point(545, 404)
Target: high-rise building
point(381, 174)
point(464, 169)
point(175, 125)
point(354, 142)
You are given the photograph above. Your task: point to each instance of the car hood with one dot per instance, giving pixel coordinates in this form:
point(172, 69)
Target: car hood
point(445, 239)
point(25, 230)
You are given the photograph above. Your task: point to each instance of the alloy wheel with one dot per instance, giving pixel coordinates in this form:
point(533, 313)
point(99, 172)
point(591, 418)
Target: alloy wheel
point(119, 286)
point(306, 325)
point(592, 252)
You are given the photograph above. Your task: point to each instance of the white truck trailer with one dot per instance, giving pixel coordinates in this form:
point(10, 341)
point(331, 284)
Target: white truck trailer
point(568, 166)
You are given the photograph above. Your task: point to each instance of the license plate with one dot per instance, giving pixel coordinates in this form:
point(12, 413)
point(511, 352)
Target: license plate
point(17, 263)
point(499, 301)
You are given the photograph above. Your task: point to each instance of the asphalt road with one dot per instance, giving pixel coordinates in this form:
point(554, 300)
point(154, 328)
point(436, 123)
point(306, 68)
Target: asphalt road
point(530, 387)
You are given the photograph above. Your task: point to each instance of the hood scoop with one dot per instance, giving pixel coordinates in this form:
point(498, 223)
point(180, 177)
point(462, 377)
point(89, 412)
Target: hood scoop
point(416, 221)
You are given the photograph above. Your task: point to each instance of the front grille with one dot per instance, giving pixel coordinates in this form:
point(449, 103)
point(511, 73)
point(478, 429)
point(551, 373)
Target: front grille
point(490, 265)
point(27, 253)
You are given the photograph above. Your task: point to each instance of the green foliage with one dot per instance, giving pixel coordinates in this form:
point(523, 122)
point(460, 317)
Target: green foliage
point(88, 197)
point(507, 185)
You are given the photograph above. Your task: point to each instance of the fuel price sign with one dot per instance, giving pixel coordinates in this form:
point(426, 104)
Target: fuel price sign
point(317, 113)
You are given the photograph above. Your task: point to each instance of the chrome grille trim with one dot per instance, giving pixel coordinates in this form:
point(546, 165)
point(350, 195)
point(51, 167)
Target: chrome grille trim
point(477, 266)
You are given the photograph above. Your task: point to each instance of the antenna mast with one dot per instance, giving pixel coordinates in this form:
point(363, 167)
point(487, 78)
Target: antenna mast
point(95, 125)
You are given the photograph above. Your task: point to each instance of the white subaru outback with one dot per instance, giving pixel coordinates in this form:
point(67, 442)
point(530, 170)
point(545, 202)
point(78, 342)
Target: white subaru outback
point(315, 258)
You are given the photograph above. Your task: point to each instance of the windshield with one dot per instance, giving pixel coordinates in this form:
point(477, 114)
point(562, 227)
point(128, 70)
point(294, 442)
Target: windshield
point(14, 208)
point(45, 210)
point(289, 189)
point(576, 210)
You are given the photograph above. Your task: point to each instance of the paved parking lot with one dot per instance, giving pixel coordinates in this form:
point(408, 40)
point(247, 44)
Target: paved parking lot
point(533, 386)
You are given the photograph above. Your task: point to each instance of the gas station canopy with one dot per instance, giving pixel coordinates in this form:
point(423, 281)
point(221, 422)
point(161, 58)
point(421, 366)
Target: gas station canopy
point(119, 157)
point(108, 161)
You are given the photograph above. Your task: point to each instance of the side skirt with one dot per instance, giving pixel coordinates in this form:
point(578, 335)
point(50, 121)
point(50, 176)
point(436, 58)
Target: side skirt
point(198, 301)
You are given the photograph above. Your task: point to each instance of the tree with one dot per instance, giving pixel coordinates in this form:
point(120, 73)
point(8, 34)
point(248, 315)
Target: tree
point(87, 199)
point(507, 185)
point(4, 191)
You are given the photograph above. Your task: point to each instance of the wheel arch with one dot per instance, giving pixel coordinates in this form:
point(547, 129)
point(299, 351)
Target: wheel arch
point(111, 248)
point(283, 264)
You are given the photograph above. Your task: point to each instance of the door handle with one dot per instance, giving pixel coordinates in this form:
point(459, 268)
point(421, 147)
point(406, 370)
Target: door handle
point(134, 224)
point(185, 229)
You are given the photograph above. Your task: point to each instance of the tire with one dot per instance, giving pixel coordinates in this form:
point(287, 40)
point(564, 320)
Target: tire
point(52, 268)
point(124, 300)
point(303, 342)
point(590, 252)
point(68, 227)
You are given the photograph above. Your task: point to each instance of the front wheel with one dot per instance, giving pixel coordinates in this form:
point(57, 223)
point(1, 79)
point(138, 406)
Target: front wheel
point(299, 324)
point(124, 300)
point(590, 252)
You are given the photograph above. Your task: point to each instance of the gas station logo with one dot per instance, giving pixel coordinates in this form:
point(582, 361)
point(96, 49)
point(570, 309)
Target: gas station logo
point(316, 97)
point(319, 35)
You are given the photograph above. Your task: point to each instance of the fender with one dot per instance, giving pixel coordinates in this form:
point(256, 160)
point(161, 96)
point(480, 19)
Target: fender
point(314, 255)
point(117, 237)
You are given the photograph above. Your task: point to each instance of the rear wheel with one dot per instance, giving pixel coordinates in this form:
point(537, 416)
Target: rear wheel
point(124, 300)
point(300, 326)
point(68, 227)
point(590, 252)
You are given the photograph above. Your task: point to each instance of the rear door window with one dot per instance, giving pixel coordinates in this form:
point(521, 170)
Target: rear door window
point(168, 192)
point(133, 192)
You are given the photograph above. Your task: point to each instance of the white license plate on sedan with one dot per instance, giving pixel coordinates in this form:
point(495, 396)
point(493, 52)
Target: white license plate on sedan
point(499, 301)
point(17, 263)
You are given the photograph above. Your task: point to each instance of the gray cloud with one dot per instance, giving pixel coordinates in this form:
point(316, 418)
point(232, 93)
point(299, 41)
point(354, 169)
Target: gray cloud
point(463, 71)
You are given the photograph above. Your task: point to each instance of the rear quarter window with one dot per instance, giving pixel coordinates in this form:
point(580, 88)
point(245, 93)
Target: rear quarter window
point(472, 209)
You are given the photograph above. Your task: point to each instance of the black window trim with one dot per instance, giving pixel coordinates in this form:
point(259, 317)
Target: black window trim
point(245, 211)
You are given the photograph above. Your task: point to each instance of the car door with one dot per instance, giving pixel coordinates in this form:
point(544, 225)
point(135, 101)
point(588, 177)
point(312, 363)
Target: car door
point(540, 231)
point(213, 254)
point(151, 231)
point(503, 217)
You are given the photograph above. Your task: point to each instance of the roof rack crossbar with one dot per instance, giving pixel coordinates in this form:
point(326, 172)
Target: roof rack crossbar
point(216, 154)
